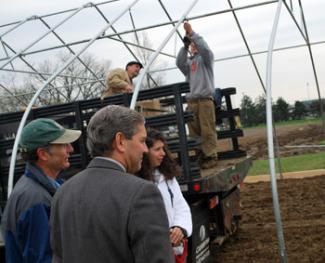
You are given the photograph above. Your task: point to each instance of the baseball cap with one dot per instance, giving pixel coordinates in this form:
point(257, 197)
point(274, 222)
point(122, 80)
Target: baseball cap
point(42, 132)
point(134, 62)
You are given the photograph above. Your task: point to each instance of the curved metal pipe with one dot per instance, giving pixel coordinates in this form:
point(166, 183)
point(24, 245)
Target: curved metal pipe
point(40, 38)
point(24, 118)
point(16, 26)
point(276, 206)
point(154, 55)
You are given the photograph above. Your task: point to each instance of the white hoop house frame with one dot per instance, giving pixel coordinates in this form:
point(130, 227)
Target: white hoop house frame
point(108, 28)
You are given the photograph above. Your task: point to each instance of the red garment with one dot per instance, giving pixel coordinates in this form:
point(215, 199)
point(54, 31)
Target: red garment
point(182, 258)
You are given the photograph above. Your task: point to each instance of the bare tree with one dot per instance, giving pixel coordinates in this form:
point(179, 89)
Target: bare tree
point(13, 94)
point(78, 81)
point(154, 79)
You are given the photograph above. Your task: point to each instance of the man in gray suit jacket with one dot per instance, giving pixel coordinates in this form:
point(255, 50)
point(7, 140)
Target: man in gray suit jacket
point(104, 213)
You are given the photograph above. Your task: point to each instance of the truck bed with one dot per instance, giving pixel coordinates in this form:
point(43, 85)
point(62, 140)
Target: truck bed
point(222, 166)
point(222, 178)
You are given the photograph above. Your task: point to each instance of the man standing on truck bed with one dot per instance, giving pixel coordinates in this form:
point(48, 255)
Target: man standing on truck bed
point(105, 213)
point(120, 80)
point(198, 69)
point(45, 146)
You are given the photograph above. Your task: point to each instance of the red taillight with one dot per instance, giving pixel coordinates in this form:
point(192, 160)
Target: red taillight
point(196, 187)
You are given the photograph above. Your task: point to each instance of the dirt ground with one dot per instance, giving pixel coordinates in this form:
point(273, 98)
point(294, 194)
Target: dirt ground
point(303, 218)
point(302, 203)
point(255, 140)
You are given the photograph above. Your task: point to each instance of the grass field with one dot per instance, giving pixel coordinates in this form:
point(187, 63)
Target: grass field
point(291, 164)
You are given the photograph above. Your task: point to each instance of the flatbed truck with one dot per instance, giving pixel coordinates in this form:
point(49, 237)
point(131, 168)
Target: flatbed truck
point(213, 194)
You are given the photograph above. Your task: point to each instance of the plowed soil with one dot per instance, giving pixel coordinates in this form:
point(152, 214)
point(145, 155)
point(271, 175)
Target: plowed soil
point(302, 204)
point(255, 140)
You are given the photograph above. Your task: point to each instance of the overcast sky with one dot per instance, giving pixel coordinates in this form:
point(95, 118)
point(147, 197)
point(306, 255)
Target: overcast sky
point(293, 77)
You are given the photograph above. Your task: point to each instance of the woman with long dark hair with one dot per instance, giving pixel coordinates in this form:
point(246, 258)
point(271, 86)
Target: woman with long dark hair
point(159, 167)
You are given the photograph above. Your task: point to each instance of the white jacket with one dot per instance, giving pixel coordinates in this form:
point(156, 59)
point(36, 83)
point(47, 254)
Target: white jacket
point(178, 211)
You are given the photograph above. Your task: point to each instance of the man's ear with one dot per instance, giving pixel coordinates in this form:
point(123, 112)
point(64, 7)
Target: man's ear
point(120, 142)
point(42, 154)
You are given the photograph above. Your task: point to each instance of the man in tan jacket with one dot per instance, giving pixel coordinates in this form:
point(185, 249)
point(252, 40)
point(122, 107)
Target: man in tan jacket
point(120, 80)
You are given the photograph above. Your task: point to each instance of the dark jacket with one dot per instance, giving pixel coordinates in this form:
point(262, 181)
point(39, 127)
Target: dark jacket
point(25, 222)
point(106, 215)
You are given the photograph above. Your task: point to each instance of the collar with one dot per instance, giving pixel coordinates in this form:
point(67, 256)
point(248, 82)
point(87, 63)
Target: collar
point(36, 174)
point(55, 183)
point(158, 176)
point(112, 160)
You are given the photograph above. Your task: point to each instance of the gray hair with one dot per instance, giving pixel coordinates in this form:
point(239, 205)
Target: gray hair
point(108, 121)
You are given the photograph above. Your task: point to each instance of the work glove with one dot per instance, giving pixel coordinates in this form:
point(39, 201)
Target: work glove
point(187, 42)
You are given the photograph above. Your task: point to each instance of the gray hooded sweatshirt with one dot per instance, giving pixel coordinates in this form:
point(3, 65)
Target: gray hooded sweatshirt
point(198, 69)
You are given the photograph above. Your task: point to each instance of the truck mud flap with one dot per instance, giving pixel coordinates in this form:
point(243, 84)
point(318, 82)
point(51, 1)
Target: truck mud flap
point(199, 243)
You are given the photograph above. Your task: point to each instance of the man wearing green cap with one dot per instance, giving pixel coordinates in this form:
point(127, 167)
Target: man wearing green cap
point(45, 146)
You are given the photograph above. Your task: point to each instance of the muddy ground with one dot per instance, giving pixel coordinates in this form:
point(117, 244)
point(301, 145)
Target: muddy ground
point(255, 140)
point(302, 203)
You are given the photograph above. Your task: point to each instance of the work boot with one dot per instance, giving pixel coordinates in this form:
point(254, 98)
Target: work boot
point(209, 162)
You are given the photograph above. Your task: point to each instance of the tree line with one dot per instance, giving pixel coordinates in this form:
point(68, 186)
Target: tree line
point(253, 112)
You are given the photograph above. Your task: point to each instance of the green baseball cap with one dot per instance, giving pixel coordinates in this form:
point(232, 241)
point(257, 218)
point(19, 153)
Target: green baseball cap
point(42, 132)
